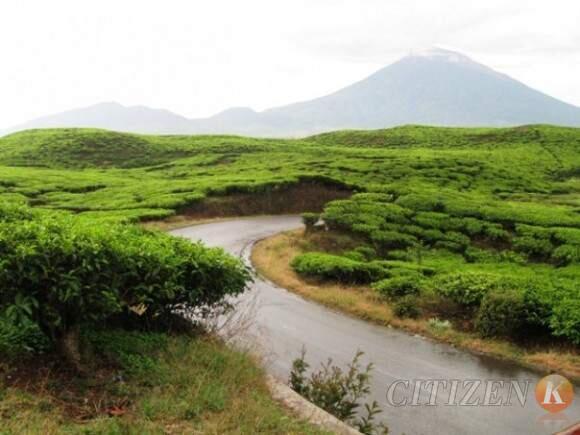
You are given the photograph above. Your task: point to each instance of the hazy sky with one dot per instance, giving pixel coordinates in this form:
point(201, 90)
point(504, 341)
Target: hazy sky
point(197, 57)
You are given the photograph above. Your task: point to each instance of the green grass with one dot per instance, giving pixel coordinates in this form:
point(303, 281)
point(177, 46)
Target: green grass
point(145, 383)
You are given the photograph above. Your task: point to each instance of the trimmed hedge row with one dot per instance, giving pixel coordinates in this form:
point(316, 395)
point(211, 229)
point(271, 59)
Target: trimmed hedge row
point(514, 306)
point(337, 268)
point(441, 223)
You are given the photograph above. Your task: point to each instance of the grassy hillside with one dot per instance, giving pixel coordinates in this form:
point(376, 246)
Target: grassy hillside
point(136, 177)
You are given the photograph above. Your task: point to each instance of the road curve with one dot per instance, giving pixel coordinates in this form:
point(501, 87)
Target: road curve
point(283, 323)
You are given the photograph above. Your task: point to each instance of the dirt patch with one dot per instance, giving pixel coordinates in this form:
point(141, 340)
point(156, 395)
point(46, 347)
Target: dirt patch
point(61, 391)
point(298, 198)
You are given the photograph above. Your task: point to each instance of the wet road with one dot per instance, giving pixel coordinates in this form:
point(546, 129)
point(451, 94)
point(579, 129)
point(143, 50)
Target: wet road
point(282, 323)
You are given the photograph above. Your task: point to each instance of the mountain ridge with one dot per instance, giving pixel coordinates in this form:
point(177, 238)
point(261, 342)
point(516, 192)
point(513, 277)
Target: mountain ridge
point(432, 87)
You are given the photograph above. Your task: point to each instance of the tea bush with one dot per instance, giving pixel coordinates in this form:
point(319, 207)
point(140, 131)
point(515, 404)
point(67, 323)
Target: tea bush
point(407, 306)
point(466, 288)
point(508, 312)
point(393, 288)
point(564, 301)
point(336, 268)
point(65, 271)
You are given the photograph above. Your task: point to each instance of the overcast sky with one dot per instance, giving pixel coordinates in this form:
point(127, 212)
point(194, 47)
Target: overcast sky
point(197, 57)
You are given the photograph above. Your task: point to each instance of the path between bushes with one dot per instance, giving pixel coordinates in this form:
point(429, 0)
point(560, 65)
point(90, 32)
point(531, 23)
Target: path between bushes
point(282, 323)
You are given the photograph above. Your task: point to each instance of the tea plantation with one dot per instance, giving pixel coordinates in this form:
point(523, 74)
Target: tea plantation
point(485, 219)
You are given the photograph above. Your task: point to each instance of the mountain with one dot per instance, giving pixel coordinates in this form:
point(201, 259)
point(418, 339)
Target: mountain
point(432, 87)
point(113, 116)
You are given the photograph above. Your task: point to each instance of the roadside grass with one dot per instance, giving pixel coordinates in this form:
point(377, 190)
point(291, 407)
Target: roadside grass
point(272, 257)
point(179, 221)
point(144, 383)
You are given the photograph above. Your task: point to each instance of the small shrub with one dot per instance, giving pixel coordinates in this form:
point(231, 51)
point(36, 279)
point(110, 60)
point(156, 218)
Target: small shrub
point(20, 335)
point(134, 352)
point(438, 325)
point(534, 247)
point(399, 254)
point(367, 252)
point(566, 254)
point(565, 318)
point(393, 288)
point(476, 255)
point(407, 306)
point(339, 392)
point(466, 288)
point(504, 313)
point(354, 255)
point(387, 240)
point(495, 232)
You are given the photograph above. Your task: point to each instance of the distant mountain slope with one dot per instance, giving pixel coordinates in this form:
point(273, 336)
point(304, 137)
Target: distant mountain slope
point(437, 87)
point(113, 116)
point(434, 87)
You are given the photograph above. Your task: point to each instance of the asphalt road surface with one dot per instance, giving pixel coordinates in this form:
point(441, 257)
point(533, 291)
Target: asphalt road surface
point(282, 323)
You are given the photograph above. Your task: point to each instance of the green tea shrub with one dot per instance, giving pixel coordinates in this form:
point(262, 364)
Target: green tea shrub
point(387, 240)
point(71, 271)
point(19, 335)
point(336, 268)
point(495, 232)
point(414, 230)
point(360, 210)
point(566, 254)
point(466, 288)
point(459, 239)
point(15, 212)
point(564, 299)
point(399, 286)
point(367, 252)
point(477, 255)
point(398, 268)
point(565, 319)
point(399, 254)
point(433, 236)
point(422, 202)
point(472, 226)
point(566, 235)
point(434, 220)
point(509, 312)
point(354, 255)
point(534, 246)
point(407, 306)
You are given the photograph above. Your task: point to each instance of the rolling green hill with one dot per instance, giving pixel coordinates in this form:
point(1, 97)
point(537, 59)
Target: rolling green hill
point(118, 174)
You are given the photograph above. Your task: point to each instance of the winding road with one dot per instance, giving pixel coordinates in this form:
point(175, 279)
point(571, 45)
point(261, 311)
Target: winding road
point(283, 323)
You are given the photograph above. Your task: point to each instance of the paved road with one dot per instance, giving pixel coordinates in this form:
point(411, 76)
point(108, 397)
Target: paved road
point(282, 323)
